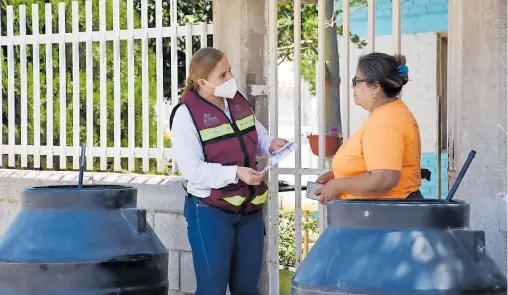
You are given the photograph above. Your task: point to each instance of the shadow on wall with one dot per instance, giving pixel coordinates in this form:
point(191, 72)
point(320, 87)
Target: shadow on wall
point(429, 188)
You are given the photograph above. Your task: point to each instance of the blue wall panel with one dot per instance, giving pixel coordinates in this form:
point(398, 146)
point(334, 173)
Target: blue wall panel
point(418, 16)
point(429, 189)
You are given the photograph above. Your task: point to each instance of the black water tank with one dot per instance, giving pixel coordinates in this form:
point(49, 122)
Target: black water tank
point(399, 247)
point(87, 241)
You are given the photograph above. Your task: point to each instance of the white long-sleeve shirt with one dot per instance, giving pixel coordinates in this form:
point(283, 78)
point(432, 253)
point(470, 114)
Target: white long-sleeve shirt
point(188, 154)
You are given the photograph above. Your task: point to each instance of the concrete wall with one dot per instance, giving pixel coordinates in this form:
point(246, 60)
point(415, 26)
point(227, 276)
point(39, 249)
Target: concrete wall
point(477, 111)
point(162, 197)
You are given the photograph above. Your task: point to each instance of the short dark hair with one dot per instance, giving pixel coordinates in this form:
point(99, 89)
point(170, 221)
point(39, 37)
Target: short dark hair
point(384, 69)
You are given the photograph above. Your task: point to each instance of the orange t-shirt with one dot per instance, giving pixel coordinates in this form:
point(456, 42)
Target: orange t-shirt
point(389, 139)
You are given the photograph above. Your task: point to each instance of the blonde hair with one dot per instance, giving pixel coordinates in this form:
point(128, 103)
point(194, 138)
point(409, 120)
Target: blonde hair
point(202, 64)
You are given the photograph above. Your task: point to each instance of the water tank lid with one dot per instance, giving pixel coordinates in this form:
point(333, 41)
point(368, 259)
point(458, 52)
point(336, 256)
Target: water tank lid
point(398, 214)
point(73, 197)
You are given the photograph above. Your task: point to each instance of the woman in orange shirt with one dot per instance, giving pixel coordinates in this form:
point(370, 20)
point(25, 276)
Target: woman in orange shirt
point(382, 159)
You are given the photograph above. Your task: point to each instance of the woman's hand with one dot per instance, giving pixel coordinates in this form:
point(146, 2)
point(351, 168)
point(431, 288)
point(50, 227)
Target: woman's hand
point(323, 179)
point(276, 144)
point(329, 192)
point(249, 175)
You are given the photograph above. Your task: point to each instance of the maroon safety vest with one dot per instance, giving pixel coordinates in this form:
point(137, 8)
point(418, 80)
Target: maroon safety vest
point(228, 143)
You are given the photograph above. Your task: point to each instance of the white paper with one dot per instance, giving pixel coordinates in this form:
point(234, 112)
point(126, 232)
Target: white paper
point(288, 145)
point(280, 155)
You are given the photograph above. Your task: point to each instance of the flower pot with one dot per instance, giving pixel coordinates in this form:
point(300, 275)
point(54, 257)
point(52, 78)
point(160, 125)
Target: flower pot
point(285, 277)
point(332, 144)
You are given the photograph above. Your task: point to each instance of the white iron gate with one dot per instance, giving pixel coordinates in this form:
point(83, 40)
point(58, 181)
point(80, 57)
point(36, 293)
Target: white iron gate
point(298, 170)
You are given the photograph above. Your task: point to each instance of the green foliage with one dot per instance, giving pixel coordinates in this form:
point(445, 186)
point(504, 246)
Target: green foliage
point(287, 258)
point(309, 36)
point(200, 12)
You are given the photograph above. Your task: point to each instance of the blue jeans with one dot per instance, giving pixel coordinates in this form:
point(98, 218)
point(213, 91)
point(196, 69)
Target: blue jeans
point(224, 252)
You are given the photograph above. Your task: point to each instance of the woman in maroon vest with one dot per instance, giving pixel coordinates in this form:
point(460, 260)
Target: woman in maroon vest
point(216, 140)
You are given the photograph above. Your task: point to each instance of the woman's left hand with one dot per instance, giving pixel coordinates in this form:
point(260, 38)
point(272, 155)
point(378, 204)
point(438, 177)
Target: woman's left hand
point(328, 192)
point(276, 144)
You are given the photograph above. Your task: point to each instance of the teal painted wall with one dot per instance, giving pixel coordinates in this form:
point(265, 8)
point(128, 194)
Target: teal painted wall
point(429, 189)
point(418, 16)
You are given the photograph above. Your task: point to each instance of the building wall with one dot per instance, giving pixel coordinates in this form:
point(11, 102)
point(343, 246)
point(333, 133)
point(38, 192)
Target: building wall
point(477, 111)
point(418, 16)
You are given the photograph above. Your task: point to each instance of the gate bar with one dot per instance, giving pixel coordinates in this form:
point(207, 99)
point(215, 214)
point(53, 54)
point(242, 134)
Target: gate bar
point(273, 241)
point(346, 98)
point(320, 79)
point(298, 130)
point(372, 25)
point(321, 96)
point(396, 21)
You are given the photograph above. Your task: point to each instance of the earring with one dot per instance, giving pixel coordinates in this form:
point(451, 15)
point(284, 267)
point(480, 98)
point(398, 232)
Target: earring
point(374, 94)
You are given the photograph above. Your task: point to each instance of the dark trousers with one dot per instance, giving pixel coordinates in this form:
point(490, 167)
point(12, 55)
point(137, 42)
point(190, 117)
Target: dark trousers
point(415, 196)
point(223, 251)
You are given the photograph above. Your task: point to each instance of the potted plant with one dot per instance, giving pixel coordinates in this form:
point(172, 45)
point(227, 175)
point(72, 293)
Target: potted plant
point(332, 143)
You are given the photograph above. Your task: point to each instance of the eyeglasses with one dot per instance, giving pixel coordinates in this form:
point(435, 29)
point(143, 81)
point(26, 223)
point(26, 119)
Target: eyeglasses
point(356, 81)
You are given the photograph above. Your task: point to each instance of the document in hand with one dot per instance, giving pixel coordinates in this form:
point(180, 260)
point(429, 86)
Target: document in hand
point(280, 155)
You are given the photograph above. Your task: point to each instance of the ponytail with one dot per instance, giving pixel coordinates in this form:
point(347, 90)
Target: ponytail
point(188, 87)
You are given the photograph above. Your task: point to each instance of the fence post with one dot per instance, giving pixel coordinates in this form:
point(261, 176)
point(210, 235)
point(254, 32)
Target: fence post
point(75, 86)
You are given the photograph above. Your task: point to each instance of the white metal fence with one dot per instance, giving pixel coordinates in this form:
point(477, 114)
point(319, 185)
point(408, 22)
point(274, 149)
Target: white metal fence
point(30, 97)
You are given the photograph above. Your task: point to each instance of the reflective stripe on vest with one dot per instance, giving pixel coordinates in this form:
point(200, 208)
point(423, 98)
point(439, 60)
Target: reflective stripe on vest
point(261, 199)
point(211, 133)
point(246, 122)
point(235, 201)
point(238, 200)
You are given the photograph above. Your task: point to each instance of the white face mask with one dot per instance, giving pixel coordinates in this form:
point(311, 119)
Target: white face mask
point(227, 89)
